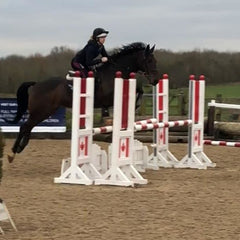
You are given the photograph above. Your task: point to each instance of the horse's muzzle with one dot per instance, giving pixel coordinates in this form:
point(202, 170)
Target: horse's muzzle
point(152, 78)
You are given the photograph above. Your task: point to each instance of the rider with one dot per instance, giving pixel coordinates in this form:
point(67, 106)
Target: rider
point(93, 55)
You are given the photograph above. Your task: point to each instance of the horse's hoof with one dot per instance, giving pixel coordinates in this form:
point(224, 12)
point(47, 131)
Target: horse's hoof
point(108, 121)
point(11, 158)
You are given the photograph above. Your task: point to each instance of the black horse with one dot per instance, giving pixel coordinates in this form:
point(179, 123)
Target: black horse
point(42, 99)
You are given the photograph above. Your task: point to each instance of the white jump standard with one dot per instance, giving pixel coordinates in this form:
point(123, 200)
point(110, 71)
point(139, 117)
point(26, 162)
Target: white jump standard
point(5, 216)
point(81, 169)
point(196, 158)
point(161, 156)
point(121, 171)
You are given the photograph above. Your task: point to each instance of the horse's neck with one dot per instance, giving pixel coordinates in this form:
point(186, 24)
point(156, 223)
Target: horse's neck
point(127, 64)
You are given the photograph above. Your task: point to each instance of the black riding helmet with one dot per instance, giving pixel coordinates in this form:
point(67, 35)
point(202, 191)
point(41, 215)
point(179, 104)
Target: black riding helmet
point(99, 32)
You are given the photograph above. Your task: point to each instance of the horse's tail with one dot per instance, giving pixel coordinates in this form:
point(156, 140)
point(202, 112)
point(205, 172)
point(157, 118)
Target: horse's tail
point(22, 101)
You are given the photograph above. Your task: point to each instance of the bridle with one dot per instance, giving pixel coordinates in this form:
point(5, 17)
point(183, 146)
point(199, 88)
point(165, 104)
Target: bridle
point(146, 71)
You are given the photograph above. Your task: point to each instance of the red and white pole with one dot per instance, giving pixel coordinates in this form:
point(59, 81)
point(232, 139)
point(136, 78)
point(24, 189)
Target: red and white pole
point(221, 143)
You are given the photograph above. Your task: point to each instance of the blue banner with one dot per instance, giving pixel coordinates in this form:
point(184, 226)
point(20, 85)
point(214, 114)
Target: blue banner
point(8, 110)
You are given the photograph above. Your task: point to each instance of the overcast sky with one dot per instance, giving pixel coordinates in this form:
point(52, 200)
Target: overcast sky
point(36, 26)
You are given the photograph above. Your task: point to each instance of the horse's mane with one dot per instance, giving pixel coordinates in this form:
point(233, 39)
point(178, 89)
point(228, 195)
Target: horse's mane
point(128, 49)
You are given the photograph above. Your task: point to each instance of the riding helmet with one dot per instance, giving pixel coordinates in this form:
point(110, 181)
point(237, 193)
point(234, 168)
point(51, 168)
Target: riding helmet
point(99, 32)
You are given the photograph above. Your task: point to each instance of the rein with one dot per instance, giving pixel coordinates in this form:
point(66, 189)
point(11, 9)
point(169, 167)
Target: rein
point(115, 64)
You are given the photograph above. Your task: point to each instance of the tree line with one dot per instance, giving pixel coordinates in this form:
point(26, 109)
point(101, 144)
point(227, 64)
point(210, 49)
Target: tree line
point(218, 67)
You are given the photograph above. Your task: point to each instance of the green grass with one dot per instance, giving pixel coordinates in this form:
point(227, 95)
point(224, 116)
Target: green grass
point(231, 90)
point(227, 91)
point(230, 94)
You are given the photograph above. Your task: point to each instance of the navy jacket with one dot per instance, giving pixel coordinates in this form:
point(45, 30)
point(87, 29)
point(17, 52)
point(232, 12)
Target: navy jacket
point(88, 55)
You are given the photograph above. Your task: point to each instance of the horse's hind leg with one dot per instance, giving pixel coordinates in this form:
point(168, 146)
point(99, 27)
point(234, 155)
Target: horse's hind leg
point(22, 140)
point(26, 132)
point(17, 141)
point(15, 146)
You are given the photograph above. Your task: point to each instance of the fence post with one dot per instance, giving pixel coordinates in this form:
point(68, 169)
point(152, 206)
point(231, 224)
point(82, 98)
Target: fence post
point(210, 121)
point(182, 103)
point(219, 112)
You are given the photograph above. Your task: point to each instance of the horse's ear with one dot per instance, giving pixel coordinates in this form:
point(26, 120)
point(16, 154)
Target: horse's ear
point(147, 50)
point(152, 49)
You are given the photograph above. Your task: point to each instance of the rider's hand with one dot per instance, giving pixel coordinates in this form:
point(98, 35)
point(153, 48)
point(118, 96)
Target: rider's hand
point(104, 59)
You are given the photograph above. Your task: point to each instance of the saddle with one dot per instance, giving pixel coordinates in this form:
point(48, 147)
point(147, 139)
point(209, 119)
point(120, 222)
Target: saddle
point(71, 74)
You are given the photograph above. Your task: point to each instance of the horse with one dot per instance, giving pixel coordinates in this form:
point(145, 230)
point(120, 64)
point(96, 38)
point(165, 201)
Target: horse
point(42, 99)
